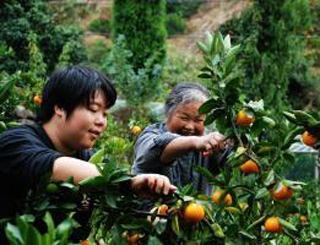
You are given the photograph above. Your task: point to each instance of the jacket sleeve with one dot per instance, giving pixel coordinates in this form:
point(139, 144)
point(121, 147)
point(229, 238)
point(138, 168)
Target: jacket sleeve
point(148, 150)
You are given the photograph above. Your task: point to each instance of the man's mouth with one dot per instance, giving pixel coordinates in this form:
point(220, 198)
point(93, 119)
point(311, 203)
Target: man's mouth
point(95, 133)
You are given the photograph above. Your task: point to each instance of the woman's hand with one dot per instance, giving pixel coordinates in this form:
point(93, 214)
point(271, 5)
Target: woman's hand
point(209, 143)
point(149, 184)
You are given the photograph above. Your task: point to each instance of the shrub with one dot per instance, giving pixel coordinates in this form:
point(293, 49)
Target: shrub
point(175, 24)
point(101, 26)
point(143, 25)
point(19, 18)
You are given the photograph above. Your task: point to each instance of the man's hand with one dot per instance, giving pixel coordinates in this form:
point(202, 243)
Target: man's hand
point(150, 184)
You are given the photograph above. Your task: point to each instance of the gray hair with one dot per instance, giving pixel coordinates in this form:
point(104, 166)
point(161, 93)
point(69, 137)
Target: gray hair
point(185, 93)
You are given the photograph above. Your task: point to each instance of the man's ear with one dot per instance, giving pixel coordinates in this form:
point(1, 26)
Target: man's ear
point(59, 111)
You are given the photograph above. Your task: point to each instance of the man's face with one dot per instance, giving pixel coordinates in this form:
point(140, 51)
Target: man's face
point(185, 120)
point(85, 124)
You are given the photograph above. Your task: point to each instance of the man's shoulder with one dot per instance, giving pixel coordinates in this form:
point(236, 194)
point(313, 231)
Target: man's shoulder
point(20, 132)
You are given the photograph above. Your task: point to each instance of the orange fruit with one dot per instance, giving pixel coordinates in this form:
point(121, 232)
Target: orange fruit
point(85, 242)
point(273, 225)
point(37, 100)
point(303, 219)
point(136, 130)
point(249, 167)
point(193, 213)
point(281, 192)
point(216, 198)
point(308, 139)
point(244, 119)
point(132, 239)
point(163, 209)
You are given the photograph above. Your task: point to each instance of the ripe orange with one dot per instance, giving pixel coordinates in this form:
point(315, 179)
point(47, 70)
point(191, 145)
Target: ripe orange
point(281, 192)
point(136, 130)
point(249, 167)
point(303, 219)
point(193, 213)
point(163, 209)
point(273, 225)
point(244, 119)
point(216, 198)
point(309, 139)
point(85, 242)
point(37, 100)
point(132, 239)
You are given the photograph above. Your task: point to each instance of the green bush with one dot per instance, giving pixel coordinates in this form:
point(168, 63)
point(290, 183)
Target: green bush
point(175, 24)
point(143, 25)
point(136, 87)
point(183, 8)
point(101, 26)
point(20, 18)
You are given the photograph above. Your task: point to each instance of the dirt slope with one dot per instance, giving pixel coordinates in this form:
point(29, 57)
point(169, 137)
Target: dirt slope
point(210, 15)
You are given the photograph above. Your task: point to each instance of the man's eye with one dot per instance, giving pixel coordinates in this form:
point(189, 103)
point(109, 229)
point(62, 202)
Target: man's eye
point(93, 109)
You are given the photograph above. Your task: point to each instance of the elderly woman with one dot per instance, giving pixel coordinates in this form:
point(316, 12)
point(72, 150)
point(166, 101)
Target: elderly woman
point(173, 147)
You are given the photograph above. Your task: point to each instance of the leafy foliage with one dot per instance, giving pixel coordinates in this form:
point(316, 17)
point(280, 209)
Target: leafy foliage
point(136, 86)
point(19, 19)
point(272, 50)
point(143, 26)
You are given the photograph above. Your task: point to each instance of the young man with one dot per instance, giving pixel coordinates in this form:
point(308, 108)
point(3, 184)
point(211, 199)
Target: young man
point(71, 118)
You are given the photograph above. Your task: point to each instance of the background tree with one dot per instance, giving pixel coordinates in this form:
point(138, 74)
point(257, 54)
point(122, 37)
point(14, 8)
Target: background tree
point(270, 33)
point(143, 25)
point(19, 18)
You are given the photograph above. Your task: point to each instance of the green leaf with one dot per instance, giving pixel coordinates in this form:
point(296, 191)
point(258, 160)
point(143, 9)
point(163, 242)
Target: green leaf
point(303, 118)
point(13, 234)
point(269, 121)
point(256, 105)
point(208, 106)
point(287, 224)
point(121, 179)
point(263, 192)
point(217, 230)
point(175, 225)
point(207, 174)
point(111, 200)
point(33, 236)
point(270, 178)
point(154, 241)
point(203, 48)
point(50, 226)
point(227, 42)
point(97, 157)
point(5, 90)
point(216, 113)
point(257, 222)
point(205, 75)
point(290, 117)
point(98, 181)
point(248, 235)
point(290, 137)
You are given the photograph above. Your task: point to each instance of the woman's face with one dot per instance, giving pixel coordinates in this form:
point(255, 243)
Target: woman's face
point(185, 120)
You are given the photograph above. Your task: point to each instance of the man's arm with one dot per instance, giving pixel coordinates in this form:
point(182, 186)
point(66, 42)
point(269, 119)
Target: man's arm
point(144, 184)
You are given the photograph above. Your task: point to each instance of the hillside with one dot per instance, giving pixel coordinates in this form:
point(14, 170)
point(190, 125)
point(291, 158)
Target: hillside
point(209, 16)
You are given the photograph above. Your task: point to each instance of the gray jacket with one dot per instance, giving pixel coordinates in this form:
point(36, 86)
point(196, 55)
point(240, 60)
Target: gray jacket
point(149, 147)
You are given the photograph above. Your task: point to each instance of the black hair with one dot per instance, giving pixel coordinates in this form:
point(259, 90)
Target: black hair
point(72, 86)
point(183, 93)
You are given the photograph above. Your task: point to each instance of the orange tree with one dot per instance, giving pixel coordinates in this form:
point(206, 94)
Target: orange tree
point(252, 202)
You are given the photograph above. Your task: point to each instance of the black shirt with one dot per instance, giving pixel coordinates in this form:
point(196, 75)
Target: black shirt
point(26, 155)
